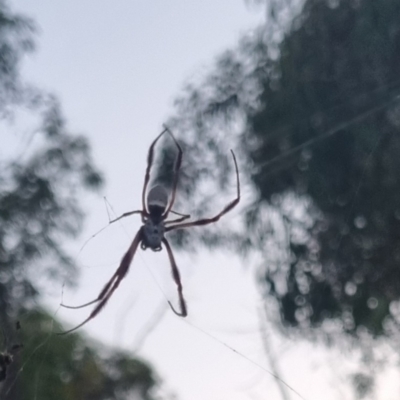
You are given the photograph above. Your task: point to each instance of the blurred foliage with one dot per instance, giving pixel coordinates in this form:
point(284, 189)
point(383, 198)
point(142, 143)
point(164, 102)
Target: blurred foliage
point(39, 208)
point(313, 112)
point(339, 65)
point(16, 39)
point(40, 188)
point(69, 368)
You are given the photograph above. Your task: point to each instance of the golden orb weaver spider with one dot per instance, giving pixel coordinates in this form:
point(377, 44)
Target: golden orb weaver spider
point(151, 233)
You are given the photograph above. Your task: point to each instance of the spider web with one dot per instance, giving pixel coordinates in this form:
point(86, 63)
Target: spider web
point(266, 358)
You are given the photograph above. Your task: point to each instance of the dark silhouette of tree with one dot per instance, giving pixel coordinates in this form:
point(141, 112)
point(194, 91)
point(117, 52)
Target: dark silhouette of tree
point(68, 367)
point(314, 114)
point(340, 65)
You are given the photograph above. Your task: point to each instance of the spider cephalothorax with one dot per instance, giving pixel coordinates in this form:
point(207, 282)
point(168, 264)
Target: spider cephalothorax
point(154, 215)
point(152, 235)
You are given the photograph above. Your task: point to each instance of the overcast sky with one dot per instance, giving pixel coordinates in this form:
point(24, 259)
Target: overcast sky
point(116, 68)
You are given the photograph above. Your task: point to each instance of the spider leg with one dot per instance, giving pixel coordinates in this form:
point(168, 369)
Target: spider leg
point(172, 221)
point(226, 209)
point(177, 167)
point(177, 279)
point(150, 158)
point(103, 292)
point(183, 217)
point(127, 214)
point(110, 221)
point(112, 284)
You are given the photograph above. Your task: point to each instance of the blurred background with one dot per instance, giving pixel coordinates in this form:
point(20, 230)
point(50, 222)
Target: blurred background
point(295, 293)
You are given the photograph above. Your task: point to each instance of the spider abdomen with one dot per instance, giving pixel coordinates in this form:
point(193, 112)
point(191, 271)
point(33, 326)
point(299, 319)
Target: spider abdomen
point(157, 199)
point(153, 233)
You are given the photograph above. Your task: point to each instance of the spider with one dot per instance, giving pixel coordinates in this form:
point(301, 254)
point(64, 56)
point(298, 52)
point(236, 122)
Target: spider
point(151, 234)
point(7, 357)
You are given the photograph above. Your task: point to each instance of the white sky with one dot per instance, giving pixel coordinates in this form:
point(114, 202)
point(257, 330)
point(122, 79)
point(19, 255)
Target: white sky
point(116, 67)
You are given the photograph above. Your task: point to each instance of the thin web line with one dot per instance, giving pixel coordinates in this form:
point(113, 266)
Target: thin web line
point(294, 150)
point(329, 133)
point(140, 255)
point(244, 357)
point(212, 336)
point(34, 351)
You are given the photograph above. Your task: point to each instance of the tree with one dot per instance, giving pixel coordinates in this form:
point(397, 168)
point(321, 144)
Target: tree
point(68, 367)
point(345, 264)
point(314, 110)
point(40, 191)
